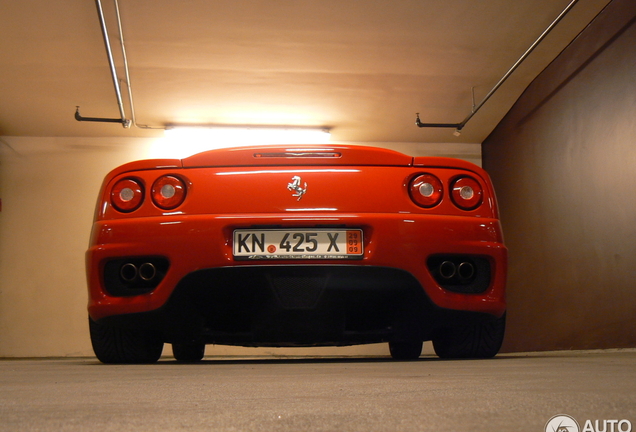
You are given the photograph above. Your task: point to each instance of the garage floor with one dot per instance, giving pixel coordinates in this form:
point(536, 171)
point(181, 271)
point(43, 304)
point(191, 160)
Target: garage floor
point(519, 392)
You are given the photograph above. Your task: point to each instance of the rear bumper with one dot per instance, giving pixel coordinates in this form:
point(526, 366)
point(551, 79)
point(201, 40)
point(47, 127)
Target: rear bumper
point(199, 242)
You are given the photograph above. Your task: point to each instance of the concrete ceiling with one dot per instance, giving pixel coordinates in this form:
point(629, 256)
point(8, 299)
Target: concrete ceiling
point(361, 67)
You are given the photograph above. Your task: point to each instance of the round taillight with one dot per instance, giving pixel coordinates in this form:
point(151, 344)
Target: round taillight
point(168, 192)
point(426, 190)
point(127, 195)
point(466, 193)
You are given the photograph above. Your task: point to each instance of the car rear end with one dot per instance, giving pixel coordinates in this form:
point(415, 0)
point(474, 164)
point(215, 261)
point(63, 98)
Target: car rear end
point(296, 246)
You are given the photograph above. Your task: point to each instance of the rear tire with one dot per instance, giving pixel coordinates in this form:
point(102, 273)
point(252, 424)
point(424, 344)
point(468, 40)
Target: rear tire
point(476, 341)
point(409, 350)
point(120, 345)
point(188, 352)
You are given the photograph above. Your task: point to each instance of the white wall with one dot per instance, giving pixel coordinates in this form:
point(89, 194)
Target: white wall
point(48, 188)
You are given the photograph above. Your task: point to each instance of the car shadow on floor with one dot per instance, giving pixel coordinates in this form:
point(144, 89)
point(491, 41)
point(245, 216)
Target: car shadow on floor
point(270, 360)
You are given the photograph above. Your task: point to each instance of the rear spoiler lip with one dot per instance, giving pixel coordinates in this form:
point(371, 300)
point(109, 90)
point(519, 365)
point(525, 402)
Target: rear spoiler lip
point(446, 162)
point(333, 155)
point(298, 155)
point(144, 165)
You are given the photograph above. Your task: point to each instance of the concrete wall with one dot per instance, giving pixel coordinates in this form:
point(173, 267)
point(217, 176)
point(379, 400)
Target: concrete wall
point(48, 188)
point(564, 166)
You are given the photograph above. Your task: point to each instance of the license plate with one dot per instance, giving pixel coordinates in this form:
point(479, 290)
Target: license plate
point(298, 244)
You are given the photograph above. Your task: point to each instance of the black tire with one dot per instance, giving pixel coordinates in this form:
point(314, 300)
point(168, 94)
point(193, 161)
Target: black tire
point(405, 350)
point(188, 352)
point(119, 345)
point(479, 340)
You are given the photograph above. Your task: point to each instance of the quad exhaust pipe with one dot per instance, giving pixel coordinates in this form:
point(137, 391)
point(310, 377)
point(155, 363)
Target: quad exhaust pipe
point(465, 274)
point(464, 270)
point(134, 275)
point(129, 272)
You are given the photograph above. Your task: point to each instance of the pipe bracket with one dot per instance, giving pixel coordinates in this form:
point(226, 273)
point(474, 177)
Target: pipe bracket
point(124, 122)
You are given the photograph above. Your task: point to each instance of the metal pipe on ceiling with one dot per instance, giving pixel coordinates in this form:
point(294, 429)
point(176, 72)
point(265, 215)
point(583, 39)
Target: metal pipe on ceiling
point(125, 59)
point(123, 120)
point(127, 73)
point(459, 126)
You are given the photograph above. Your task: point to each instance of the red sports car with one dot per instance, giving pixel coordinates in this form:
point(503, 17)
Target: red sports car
point(296, 246)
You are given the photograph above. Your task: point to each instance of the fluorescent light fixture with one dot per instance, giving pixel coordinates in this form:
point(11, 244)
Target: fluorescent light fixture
point(225, 136)
point(183, 141)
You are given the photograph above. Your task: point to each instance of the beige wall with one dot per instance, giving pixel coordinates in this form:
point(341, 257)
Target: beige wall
point(563, 162)
point(48, 188)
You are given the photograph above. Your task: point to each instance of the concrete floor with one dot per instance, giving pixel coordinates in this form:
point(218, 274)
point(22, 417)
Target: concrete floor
point(518, 392)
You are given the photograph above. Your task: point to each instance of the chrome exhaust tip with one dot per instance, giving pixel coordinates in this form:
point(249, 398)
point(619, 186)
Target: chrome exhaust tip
point(128, 272)
point(447, 269)
point(147, 271)
point(466, 271)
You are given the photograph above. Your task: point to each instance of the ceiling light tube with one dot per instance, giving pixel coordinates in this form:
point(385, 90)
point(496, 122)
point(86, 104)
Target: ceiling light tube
point(185, 140)
point(251, 135)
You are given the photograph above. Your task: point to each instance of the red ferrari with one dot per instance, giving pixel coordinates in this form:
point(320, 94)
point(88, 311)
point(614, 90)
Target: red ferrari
point(296, 246)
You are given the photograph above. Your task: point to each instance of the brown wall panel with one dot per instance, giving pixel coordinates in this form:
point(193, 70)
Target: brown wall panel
point(563, 162)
